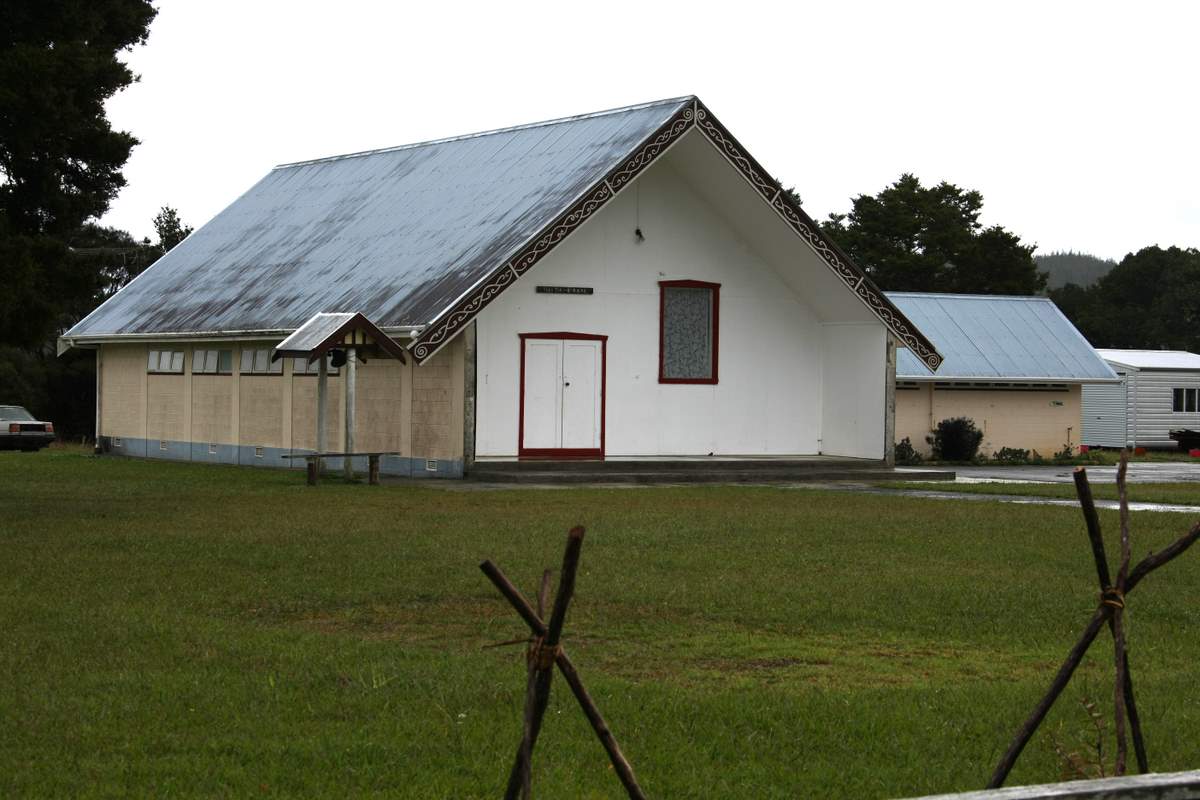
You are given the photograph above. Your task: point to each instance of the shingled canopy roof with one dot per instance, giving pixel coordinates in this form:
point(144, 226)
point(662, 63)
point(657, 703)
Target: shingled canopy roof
point(424, 236)
point(327, 331)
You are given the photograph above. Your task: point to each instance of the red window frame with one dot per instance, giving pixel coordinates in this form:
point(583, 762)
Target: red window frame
point(716, 327)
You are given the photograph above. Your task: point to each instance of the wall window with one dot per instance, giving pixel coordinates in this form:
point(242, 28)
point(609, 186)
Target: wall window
point(212, 362)
point(688, 328)
point(257, 361)
point(1185, 400)
point(301, 366)
point(169, 362)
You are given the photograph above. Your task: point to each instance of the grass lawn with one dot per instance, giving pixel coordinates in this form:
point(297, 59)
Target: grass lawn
point(176, 629)
point(1179, 493)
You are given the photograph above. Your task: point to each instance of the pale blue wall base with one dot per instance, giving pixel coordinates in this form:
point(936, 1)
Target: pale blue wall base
point(399, 466)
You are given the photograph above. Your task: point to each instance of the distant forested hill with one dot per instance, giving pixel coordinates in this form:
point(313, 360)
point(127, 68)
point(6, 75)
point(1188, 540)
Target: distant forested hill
point(1080, 269)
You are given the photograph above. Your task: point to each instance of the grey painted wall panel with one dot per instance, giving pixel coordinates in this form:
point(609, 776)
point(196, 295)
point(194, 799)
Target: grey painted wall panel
point(1104, 415)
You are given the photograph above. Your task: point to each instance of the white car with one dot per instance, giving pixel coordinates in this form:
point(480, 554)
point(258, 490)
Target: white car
point(20, 431)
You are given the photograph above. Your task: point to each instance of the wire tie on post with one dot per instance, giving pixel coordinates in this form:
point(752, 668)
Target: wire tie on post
point(541, 656)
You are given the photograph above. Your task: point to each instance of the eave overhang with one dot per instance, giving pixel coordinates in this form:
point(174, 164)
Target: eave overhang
point(1040, 381)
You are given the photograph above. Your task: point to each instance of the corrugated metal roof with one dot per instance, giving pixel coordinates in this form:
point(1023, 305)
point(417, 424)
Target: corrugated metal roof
point(1152, 359)
point(398, 234)
point(997, 338)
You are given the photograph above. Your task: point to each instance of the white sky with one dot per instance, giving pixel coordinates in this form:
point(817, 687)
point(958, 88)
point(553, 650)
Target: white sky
point(1076, 120)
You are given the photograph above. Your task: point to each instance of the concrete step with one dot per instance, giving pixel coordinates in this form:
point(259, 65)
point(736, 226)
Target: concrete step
point(679, 465)
point(711, 475)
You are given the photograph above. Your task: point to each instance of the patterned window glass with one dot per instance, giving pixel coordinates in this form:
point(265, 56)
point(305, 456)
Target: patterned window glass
point(687, 337)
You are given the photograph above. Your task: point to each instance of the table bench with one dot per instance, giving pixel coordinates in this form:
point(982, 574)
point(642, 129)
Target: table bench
point(313, 462)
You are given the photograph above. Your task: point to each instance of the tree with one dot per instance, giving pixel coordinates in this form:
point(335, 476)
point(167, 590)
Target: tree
point(1080, 269)
point(929, 239)
point(60, 159)
point(1151, 300)
point(171, 231)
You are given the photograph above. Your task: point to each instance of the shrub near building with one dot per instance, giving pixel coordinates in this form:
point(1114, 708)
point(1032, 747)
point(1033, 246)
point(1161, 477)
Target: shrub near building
point(955, 439)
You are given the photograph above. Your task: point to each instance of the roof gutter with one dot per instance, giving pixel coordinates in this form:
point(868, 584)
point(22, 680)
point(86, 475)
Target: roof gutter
point(65, 343)
point(994, 379)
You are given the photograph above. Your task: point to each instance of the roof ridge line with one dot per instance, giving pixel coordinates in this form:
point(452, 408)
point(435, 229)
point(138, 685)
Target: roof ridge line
point(478, 134)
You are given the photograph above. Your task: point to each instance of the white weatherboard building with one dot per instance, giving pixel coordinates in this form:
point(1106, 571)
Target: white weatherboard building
point(1159, 392)
point(1016, 366)
point(624, 284)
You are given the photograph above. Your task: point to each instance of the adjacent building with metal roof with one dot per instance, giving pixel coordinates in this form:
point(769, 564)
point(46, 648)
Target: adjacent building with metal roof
point(1159, 392)
point(1016, 366)
point(998, 338)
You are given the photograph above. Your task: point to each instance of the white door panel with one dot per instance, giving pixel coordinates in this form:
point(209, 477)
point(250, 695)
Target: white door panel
point(543, 393)
point(563, 407)
point(581, 394)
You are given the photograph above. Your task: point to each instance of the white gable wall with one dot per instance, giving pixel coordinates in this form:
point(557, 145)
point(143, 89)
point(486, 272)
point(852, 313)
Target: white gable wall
point(853, 397)
point(773, 347)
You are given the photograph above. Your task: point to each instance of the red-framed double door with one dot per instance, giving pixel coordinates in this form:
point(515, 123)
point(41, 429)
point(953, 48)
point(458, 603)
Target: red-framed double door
point(562, 395)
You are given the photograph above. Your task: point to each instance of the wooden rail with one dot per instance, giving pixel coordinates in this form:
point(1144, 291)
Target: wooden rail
point(1164, 786)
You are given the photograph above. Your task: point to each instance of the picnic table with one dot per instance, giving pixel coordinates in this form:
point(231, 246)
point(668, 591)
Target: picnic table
point(313, 462)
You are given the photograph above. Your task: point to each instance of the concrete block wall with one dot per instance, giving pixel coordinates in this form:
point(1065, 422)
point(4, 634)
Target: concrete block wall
point(437, 392)
point(257, 419)
point(304, 412)
point(1027, 419)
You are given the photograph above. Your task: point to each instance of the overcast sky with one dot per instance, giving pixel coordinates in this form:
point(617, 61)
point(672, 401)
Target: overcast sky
point(1077, 121)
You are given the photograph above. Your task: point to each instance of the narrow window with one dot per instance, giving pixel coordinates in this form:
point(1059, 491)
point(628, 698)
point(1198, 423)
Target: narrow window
point(689, 313)
point(1177, 405)
point(257, 361)
point(165, 361)
point(212, 362)
point(1191, 399)
point(302, 366)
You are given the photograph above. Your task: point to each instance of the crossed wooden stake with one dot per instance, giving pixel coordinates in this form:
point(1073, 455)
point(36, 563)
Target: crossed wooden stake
point(1111, 612)
point(545, 651)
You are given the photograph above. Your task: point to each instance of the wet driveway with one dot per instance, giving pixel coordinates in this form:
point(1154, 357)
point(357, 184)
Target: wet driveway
point(1139, 472)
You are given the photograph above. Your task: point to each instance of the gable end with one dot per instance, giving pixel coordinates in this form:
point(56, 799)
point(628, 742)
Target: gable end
point(451, 321)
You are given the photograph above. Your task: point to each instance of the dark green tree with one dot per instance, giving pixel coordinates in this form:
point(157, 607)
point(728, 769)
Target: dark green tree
point(911, 237)
point(170, 229)
point(60, 166)
point(1151, 300)
point(60, 159)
